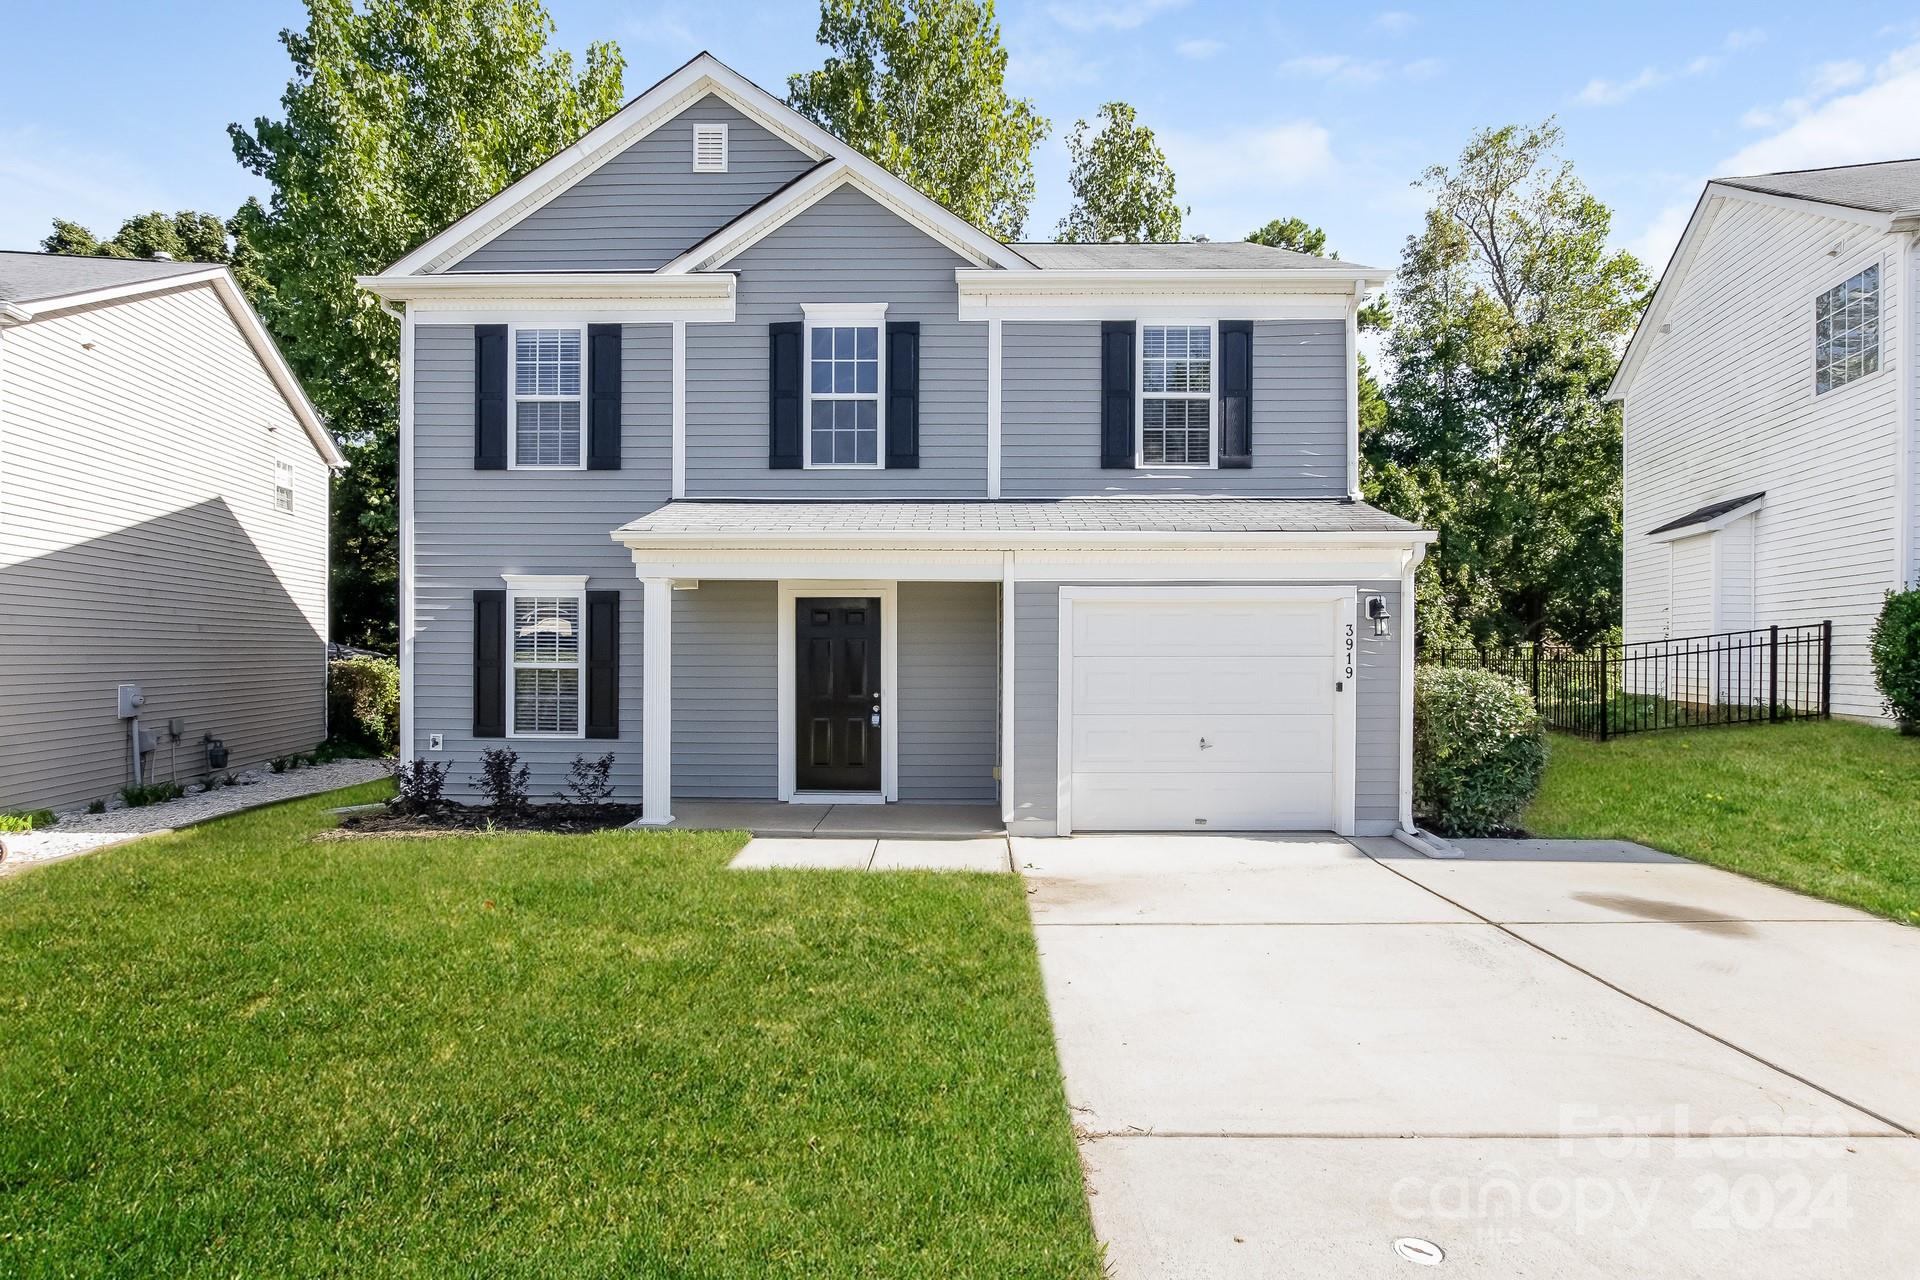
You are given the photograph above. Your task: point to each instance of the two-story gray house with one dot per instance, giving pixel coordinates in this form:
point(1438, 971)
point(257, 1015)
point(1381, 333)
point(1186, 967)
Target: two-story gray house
point(727, 451)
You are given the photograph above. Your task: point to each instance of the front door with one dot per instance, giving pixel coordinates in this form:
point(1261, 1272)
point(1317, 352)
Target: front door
point(837, 694)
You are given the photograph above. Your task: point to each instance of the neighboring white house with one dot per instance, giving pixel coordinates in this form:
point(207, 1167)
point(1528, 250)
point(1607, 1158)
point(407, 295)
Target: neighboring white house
point(163, 523)
point(1769, 416)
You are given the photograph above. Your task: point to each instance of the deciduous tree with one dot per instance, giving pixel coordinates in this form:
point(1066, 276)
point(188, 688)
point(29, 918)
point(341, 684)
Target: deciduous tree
point(1122, 184)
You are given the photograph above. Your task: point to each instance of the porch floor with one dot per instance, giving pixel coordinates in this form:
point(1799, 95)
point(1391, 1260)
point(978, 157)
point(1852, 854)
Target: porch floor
point(841, 821)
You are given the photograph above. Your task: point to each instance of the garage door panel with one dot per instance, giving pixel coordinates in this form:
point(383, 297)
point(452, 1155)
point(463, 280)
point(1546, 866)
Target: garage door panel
point(1255, 629)
point(1202, 684)
point(1216, 802)
point(1247, 744)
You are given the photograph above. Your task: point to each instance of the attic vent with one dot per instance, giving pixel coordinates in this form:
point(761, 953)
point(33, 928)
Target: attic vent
point(709, 148)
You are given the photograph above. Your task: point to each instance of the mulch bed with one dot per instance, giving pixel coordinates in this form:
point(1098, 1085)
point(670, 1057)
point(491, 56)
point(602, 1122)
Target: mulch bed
point(454, 819)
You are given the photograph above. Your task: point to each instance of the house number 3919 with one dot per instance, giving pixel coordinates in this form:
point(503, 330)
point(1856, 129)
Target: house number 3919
point(1348, 659)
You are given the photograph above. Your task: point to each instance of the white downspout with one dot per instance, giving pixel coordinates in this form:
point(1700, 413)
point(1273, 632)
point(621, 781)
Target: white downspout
point(1904, 570)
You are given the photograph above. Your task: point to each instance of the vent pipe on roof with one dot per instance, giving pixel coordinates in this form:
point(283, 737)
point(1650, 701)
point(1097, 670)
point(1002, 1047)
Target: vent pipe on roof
point(158, 256)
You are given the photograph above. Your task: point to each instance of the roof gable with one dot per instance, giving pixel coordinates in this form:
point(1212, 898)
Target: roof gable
point(700, 78)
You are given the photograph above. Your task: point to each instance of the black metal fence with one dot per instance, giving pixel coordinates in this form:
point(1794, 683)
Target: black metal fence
point(1762, 676)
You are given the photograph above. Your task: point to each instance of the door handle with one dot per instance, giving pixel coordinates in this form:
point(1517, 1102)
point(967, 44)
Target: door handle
point(875, 719)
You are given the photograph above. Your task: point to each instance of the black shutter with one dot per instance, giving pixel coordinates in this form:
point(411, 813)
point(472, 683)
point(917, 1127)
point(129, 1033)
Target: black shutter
point(1116, 394)
point(603, 664)
point(489, 397)
point(489, 664)
point(785, 396)
point(603, 397)
point(1236, 393)
point(903, 395)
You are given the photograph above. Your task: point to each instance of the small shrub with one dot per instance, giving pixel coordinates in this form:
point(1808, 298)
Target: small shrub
point(279, 764)
point(145, 793)
point(96, 806)
point(589, 782)
point(338, 748)
point(27, 820)
point(420, 783)
point(1895, 648)
point(1478, 750)
point(503, 781)
point(363, 702)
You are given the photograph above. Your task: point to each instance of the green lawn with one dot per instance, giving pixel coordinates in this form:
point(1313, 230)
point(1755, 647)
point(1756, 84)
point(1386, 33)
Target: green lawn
point(236, 1051)
point(1826, 807)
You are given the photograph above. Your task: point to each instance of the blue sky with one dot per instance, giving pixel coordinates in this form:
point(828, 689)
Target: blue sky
point(1265, 110)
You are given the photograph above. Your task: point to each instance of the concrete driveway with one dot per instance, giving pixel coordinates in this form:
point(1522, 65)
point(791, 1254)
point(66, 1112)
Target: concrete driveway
point(1284, 1055)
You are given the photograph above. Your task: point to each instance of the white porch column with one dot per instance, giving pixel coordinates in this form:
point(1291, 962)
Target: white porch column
point(656, 699)
point(1007, 724)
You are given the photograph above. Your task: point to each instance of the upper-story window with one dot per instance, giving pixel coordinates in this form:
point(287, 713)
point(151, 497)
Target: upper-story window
point(282, 485)
point(844, 383)
point(1846, 331)
point(1176, 395)
point(548, 405)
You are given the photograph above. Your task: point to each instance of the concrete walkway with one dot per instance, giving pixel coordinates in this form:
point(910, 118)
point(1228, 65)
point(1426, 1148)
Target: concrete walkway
point(1309, 1056)
point(841, 821)
point(818, 853)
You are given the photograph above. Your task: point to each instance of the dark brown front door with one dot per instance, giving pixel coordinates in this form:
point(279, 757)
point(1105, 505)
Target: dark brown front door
point(837, 695)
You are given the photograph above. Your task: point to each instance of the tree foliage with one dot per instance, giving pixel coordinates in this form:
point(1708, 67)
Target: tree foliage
point(921, 88)
point(1294, 234)
point(1510, 315)
point(1123, 187)
point(400, 117)
point(186, 236)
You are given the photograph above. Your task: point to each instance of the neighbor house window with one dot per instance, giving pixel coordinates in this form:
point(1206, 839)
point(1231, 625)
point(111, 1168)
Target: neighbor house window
point(1176, 395)
point(547, 663)
point(548, 375)
point(282, 485)
point(1846, 331)
point(844, 379)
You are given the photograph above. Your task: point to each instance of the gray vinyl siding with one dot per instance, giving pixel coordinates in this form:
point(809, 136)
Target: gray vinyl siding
point(949, 655)
point(846, 248)
point(726, 692)
point(470, 527)
point(646, 206)
point(1050, 416)
point(1036, 713)
point(139, 543)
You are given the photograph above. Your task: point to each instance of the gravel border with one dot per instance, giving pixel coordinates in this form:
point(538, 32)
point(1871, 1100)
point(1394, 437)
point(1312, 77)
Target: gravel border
point(81, 832)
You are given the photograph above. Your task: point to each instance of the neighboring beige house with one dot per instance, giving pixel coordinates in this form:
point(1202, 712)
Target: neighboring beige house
point(1769, 416)
point(163, 523)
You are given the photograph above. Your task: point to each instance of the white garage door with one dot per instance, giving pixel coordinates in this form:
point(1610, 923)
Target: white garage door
point(1203, 715)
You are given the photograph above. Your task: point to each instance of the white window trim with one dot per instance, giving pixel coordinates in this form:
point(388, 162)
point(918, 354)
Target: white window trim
point(514, 397)
point(1813, 327)
point(1140, 394)
point(282, 467)
point(841, 315)
point(711, 127)
point(547, 587)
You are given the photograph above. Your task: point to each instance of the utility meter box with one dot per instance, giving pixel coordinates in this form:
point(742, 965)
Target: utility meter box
point(131, 700)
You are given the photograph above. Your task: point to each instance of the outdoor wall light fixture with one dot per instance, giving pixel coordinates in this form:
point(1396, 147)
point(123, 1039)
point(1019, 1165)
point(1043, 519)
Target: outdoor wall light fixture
point(1377, 610)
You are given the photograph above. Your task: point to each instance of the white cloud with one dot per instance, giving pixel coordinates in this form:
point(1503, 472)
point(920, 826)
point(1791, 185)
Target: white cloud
point(1114, 15)
point(1050, 66)
point(1824, 80)
point(1198, 50)
point(1394, 22)
point(1607, 93)
point(1744, 38)
point(1337, 67)
point(1247, 162)
point(1423, 68)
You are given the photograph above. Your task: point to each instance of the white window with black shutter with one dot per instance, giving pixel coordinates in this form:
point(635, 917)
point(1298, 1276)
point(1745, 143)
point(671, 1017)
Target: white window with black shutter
point(843, 390)
point(546, 659)
point(548, 375)
point(1176, 381)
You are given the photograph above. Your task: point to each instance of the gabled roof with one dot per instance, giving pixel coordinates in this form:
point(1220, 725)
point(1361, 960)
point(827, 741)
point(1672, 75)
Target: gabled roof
point(1715, 515)
point(700, 76)
point(1887, 186)
point(33, 285)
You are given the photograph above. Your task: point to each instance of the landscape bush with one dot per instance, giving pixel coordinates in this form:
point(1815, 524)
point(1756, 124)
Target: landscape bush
point(1479, 750)
point(503, 781)
point(27, 820)
point(589, 783)
point(363, 701)
point(145, 793)
point(418, 786)
point(1895, 648)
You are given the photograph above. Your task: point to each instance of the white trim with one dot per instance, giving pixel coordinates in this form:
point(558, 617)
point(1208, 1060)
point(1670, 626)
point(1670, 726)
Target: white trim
point(1159, 294)
point(838, 797)
point(1714, 525)
point(994, 384)
point(635, 297)
point(700, 76)
point(1009, 684)
point(1343, 598)
point(407, 749)
point(1140, 394)
point(1409, 591)
point(791, 590)
point(573, 587)
point(845, 315)
point(514, 397)
point(1013, 539)
point(656, 702)
point(1907, 358)
point(1353, 391)
point(704, 130)
point(679, 410)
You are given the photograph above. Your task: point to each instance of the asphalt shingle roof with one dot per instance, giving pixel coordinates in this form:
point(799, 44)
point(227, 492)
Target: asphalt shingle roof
point(1056, 515)
point(1712, 511)
point(1889, 186)
point(30, 277)
point(1209, 255)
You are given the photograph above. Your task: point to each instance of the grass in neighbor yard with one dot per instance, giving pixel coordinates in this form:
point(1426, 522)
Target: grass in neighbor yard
point(1826, 807)
point(234, 1051)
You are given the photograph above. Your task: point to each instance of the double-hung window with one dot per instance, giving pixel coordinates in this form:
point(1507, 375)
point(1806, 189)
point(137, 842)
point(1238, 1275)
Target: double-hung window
point(1846, 331)
point(1176, 395)
point(845, 381)
point(545, 625)
point(549, 377)
point(282, 485)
